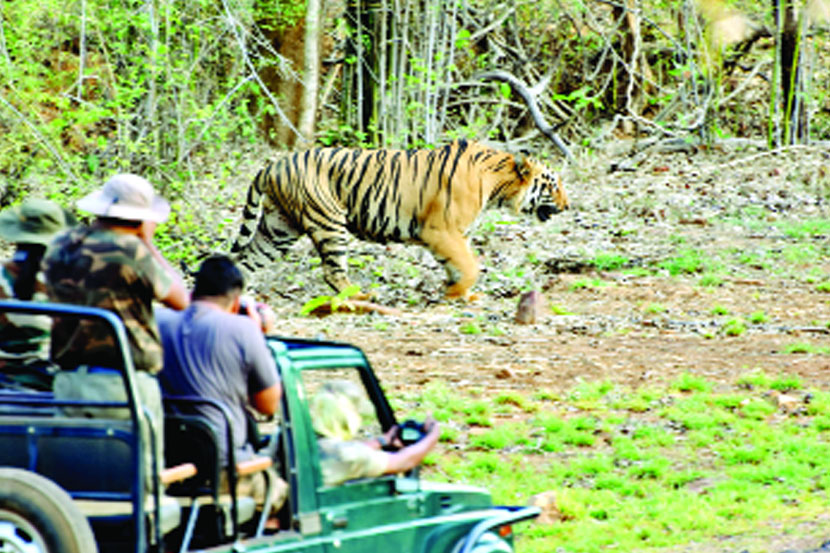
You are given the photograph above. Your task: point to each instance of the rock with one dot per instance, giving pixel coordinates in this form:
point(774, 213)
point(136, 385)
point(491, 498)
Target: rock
point(547, 502)
point(531, 307)
point(504, 374)
point(786, 403)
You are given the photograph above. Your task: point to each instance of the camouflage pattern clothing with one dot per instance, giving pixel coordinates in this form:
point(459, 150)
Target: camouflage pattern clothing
point(24, 340)
point(94, 266)
point(341, 461)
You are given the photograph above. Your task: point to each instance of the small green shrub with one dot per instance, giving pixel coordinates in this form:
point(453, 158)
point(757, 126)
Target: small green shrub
point(786, 383)
point(805, 347)
point(511, 398)
point(584, 283)
point(734, 327)
point(559, 310)
point(501, 437)
point(755, 379)
point(551, 424)
point(687, 382)
point(758, 317)
point(718, 309)
point(688, 261)
point(470, 328)
point(609, 262)
point(335, 301)
point(655, 308)
point(711, 280)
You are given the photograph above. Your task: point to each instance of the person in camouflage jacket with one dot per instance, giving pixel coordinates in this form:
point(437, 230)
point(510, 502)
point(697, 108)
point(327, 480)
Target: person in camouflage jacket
point(112, 264)
point(24, 340)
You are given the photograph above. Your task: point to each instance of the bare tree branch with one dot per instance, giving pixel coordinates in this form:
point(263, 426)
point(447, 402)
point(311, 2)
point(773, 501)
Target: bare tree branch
point(522, 90)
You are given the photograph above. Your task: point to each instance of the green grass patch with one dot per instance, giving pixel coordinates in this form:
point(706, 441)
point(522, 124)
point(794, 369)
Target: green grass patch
point(502, 437)
point(470, 328)
point(655, 308)
point(805, 347)
point(805, 229)
point(641, 470)
point(758, 317)
point(559, 310)
point(718, 309)
point(609, 262)
point(688, 261)
point(711, 280)
point(734, 327)
point(588, 283)
point(687, 382)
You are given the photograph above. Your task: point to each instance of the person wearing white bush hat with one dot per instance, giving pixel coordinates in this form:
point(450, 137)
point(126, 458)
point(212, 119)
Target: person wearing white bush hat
point(113, 264)
point(127, 197)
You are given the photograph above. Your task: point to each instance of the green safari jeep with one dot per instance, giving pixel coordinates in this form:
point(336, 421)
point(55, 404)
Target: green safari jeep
point(87, 462)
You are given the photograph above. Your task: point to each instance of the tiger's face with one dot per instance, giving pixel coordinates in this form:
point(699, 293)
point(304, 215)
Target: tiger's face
point(545, 195)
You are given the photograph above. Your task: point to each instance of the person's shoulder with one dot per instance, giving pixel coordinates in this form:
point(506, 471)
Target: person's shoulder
point(97, 241)
point(165, 315)
point(240, 324)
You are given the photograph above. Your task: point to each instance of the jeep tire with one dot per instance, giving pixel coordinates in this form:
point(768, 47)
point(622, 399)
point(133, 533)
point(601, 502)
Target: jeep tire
point(38, 516)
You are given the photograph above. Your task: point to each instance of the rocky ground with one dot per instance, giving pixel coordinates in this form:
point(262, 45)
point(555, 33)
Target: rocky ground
point(726, 212)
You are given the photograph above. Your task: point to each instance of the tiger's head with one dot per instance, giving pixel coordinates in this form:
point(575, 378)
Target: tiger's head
point(544, 194)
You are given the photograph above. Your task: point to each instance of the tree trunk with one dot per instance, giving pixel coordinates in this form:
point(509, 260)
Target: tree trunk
point(360, 84)
point(794, 116)
point(288, 42)
point(311, 71)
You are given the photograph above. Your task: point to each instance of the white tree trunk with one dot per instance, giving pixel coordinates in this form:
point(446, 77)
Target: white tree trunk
point(311, 72)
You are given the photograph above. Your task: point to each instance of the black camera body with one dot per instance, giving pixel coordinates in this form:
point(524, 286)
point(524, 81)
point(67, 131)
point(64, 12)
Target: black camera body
point(411, 431)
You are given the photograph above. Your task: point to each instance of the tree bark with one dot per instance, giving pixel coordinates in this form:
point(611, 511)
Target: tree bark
point(793, 111)
point(311, 71)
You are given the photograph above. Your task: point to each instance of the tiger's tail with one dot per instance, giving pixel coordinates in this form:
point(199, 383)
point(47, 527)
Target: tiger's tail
point(250, 213)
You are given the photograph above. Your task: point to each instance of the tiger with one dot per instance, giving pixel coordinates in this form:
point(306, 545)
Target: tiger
point(429, 197)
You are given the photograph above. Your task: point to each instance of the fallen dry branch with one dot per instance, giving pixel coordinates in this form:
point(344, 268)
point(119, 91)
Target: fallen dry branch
point(358, 307)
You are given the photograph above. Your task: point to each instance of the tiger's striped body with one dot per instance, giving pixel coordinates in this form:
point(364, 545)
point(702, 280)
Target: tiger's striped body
point(428, 197)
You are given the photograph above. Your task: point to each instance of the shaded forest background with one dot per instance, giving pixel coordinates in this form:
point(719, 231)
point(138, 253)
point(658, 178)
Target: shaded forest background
point(191, 93)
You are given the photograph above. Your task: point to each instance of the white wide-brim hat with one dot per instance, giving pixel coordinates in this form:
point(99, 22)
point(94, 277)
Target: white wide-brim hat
point(129, 197)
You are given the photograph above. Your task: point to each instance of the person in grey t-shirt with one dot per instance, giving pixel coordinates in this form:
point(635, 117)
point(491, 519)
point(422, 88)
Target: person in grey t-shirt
point(212, 352)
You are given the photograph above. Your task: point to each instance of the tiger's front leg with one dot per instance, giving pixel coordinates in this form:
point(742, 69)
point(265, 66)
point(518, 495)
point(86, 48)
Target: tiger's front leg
point(331, 245)
point(453, 251)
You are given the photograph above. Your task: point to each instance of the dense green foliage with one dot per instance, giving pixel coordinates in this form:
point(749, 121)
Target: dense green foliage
point(97, 87)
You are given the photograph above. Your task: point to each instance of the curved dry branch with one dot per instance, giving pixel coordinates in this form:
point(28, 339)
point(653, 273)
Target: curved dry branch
point(530, 100)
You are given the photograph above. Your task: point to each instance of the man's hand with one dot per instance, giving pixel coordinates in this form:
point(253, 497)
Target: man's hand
point(269, 318)
point(261, 314)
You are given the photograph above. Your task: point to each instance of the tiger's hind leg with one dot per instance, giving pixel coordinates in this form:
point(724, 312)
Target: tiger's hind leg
point(272, 239)
point(331, 245)
point(452, 250)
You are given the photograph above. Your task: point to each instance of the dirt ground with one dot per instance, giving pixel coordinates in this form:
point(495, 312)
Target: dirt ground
point(730, 207)
point(637, 325)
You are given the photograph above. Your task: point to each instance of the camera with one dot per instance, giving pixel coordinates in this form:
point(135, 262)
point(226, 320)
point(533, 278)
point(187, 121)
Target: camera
point(410, 431)
point(243, 306)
